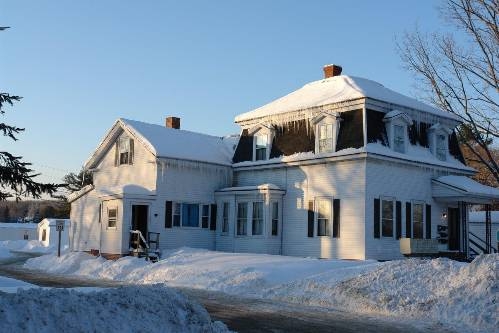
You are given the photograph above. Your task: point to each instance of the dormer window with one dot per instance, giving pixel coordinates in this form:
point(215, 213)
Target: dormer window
point(396, 123)
point(325, 138)
point(261, 146)
point(399, 138)
point(439, 141)
point(326, 127)
point(262, 137)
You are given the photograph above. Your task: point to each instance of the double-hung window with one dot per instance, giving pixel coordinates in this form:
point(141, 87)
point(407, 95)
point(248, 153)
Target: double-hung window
point(205, 216)
point(225, 218)
point(387, 218)
point(275, 218)
point(323, 217)
point(123, 150)
point(112, 216)
point(242, 218)
point(261, 144)
point(257, 219)
point(325, 138)
point(441, 151)
point(399, 138)
point(417, 220)
point(176, 214)
point(190, 215)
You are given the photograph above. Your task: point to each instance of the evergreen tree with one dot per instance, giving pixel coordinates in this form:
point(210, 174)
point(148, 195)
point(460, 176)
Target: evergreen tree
point(75, 182)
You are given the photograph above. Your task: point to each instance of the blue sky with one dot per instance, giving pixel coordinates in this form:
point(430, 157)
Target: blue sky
point(81, 65)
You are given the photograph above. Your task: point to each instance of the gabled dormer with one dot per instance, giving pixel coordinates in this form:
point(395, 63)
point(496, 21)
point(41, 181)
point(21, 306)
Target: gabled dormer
point(326, 128)
point(438, 139)
point(263, 135)
point(396, 124)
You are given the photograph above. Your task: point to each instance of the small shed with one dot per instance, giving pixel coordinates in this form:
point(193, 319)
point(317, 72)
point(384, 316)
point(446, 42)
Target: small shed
point(18, 231)
point(48, 235)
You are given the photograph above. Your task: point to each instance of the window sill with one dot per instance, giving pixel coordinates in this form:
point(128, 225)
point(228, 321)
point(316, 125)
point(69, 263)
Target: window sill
point(112, 228)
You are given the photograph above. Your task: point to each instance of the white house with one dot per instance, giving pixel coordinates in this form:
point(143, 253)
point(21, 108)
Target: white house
point(340, 168)
point(48, 234)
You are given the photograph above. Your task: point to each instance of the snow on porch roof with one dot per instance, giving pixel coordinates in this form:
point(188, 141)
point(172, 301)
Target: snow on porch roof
point(181, 144)
point(334, 90)
point(461, 186)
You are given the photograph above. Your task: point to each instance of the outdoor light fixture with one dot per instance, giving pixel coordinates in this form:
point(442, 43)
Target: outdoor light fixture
point(444, 215)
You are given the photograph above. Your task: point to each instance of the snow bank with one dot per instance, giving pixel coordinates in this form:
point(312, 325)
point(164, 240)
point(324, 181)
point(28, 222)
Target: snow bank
point(439, 290)
point(125, 309)
point(28, 246)
point(9, 285)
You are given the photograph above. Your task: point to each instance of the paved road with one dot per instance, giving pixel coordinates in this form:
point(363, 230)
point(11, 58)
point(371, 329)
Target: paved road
point(240, 314)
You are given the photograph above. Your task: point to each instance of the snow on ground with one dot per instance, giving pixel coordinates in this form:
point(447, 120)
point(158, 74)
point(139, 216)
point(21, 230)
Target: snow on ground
point(440, 290)
point(9, 285)
point(125, 309)
point(27, 246)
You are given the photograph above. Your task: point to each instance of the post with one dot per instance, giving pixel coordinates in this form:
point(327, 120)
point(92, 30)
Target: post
point(59, 244)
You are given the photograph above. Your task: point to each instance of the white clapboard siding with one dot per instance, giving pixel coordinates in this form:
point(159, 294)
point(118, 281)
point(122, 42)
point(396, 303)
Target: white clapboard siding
point(85, 225)
point(186, 182)
point(340, 180)
point(404, 183)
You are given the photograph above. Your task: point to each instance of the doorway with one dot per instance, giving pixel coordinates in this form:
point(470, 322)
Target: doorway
point(454, 230)
point(139, 218)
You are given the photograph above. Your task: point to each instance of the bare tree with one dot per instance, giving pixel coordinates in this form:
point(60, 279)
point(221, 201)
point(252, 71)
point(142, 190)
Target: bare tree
point(462, 78)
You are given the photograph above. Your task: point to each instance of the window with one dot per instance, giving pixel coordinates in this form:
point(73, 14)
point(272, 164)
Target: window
point(242, 216)
point(44, 235)
point(261, 143)
point(387, 218)
point(441, 151)
point(225, 218)
point(257, 220)
point(325, 138)
point(417, 220)
point(112, 214)
point(205, 216)
point(124, 150)
point(275, 218)
point(399, 138)
point(176, 214)
point(190, 215)
point(323, 217)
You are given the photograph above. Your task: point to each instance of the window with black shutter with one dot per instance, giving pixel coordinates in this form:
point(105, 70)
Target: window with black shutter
point(213, 217)
point(376, 218)
point(336, 218)
point(311, 219)
point(398, 219)
point(408, 220)
point(428, 222)
point(168, 215)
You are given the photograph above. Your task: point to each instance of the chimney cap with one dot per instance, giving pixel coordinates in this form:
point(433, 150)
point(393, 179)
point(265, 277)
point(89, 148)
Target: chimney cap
point(332, 70)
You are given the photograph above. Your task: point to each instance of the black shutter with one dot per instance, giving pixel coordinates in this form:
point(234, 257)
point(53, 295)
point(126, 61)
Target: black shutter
point(213, 217)
point(130, 157)
point(376, 218)
point(168, 215)
point(336, 218)
point(116, 155)
point(408, 219)
point(310, 219)
point(428, 221)
point(398, 219)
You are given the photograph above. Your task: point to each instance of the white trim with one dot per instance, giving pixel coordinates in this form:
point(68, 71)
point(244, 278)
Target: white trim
point(316, 216)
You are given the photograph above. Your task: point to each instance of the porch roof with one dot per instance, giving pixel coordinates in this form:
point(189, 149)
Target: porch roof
point(461, 188)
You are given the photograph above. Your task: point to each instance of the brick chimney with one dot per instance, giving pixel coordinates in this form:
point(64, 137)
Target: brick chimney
point(173, 122)
point(331, 70)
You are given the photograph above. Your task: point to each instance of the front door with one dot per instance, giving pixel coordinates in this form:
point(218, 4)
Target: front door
point(139, 218)
point(454, 230)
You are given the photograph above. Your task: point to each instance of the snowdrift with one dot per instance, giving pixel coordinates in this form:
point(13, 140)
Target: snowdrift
point(125, 309)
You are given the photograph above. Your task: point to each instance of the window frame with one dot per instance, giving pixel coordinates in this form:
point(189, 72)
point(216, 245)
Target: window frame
point(423, 218)
point(260, 218)
point(115, 226)
point(441, 152)
point(203, 217)
point(225, 217)
point(274, 208)
point(325, 121)
point(399, 142)
point(174, 206)
point(393, 119)
point(238, 218)
point(329, 218)
point(381, 222)
point(124, 140)
point(182, 216)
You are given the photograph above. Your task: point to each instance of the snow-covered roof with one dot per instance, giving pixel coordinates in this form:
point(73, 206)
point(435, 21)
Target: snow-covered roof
point(262, 187)
point(337, 89)
point(468, 186)
point(19, 225)
point(52, 222)
point(166, 142)
point(180, 144)
point(78, 194)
